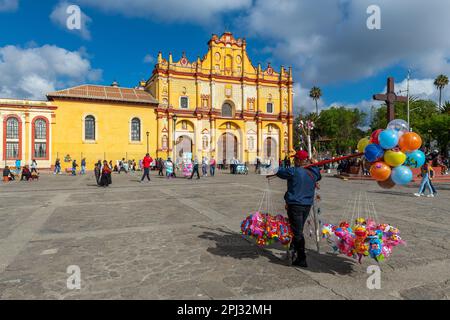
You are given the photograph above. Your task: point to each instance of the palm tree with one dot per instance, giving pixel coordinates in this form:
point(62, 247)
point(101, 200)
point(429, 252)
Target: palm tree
point(440, 83)
point(315, 94)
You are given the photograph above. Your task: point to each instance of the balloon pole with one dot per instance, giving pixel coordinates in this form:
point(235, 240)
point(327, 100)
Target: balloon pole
point(321, 163)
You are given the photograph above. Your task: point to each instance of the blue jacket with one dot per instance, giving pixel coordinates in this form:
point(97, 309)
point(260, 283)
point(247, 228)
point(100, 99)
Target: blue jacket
point(301, 185)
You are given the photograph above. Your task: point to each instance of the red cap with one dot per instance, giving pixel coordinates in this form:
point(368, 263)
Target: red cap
point(301, 155)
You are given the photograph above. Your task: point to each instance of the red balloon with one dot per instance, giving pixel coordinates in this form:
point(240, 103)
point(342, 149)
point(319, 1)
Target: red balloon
point(374, 136)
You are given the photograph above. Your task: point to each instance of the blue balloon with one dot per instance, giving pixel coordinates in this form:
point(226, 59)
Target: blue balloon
point(401, 175)
point(388, 139)
point(415, 159)
point(373, 152)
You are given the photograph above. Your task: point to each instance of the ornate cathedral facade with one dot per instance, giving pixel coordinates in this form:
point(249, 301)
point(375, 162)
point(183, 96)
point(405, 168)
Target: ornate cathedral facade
point(218, 106)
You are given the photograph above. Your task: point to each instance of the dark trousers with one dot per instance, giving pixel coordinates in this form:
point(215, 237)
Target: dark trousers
point(146, 174)
point(212, 170)
point(194, 171)
point(298, 214)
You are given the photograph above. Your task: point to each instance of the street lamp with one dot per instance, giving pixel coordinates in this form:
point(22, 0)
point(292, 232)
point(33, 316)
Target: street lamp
point(174, 141)
point(148, 148)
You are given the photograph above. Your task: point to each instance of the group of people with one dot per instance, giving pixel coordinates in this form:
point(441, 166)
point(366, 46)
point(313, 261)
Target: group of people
point(27, 172)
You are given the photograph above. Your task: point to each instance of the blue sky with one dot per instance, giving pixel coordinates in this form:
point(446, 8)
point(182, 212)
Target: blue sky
point(327, 43)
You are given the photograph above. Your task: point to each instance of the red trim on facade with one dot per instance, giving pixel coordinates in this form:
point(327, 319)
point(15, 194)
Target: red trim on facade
point(216, 76)
point(4, 136)
point(47, 138)
point(20, 106)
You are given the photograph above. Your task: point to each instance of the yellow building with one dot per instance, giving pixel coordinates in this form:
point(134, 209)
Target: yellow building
point(223, 105)
point(219, 106)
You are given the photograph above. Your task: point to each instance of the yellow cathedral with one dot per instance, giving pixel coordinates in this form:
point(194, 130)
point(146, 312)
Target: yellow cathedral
point(219, 106)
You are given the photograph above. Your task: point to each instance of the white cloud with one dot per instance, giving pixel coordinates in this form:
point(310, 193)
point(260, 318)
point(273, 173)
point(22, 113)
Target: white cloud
point(302, 101)
point(328, 40)
point(9, 5)
point(149, 59)
point(198, 11)
point(59, 16)
point(33, 72)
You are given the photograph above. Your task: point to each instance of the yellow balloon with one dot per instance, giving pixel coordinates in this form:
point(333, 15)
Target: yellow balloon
point(394, 158)
point(363, 143)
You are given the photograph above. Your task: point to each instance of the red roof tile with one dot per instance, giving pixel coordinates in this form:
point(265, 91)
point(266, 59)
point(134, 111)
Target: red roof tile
point(105, 93)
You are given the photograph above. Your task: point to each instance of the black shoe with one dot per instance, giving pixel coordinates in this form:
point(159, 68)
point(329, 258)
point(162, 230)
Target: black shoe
point(300, 263)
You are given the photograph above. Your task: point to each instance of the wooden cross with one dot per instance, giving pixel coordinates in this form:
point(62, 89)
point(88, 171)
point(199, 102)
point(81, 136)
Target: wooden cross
point(390, 98)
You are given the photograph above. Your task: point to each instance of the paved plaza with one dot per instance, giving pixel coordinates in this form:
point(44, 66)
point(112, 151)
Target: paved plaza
point(180, 239)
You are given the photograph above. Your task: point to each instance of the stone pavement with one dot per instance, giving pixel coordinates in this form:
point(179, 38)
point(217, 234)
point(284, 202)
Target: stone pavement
point(179, 239)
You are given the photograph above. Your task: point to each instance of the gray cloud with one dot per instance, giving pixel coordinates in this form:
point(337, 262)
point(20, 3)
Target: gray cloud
point(197, 11)
point(328, 41)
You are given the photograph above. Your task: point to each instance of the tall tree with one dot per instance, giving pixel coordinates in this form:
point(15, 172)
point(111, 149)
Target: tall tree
point(440, 83)
point(316, 94)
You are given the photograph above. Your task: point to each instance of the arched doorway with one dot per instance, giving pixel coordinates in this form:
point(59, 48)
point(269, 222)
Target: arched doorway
point(270, 150)
point(227, 147)
point(183, 145)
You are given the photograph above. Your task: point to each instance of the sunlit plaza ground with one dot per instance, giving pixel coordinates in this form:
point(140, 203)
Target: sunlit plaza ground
point(180, 239)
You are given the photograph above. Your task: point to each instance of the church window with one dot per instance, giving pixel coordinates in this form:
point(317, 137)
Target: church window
point(89, 128)
point(184, 102)
point(205, 142)
point(227, 110)
point(135, 129)
point(251, 143)
point(164, 142)
point(270, 107)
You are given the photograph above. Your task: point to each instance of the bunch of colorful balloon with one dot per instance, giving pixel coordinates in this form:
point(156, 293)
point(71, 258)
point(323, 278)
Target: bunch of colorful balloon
point(365, 238)
point(392, 153)
point(267, 229)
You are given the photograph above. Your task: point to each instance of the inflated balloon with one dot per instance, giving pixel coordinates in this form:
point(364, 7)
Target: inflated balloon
point(373, 152)
point(394, 158)
point(415, 159)
point(402, 175)
point(388, 139)
point(399, 125)
point(380, 171)
point(362, 144)
point(374, 136)
point(409, 142)
point(388, 184)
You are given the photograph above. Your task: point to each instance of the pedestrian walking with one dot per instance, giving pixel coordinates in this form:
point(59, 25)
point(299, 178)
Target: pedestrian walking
point(426, 172)
point(146, 162)
point(204, 167)
point(33, 166)
point(160, 166)
point(74, 167)
point(195, 169)
point(106, 178)
point(83, 166)
point(212, 166)
point(18, 166)
point(57, 167)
